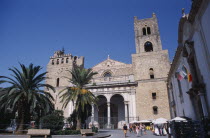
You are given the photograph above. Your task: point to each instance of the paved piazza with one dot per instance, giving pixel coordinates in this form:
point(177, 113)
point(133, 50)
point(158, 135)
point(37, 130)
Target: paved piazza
point(114, 134)
point(120, 134)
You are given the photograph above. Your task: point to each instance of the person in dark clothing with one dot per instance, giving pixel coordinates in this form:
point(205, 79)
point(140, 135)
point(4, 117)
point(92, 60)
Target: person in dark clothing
point(125, 128)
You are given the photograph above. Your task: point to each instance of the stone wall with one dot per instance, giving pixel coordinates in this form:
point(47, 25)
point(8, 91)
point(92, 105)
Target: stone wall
point(145, 103)
point(158, 61)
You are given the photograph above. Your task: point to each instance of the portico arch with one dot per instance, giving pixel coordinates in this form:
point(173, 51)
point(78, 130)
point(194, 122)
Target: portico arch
point(117, 110)
point(101, 111)
point(102, 106)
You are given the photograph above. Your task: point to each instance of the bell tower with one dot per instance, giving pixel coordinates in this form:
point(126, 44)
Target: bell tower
point(147, 36)
point(58, 75)
point(59, 66)
point(150, 66)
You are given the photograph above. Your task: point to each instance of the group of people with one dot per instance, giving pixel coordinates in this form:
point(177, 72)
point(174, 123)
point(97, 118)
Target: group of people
point(161, 129)
point(137, 129)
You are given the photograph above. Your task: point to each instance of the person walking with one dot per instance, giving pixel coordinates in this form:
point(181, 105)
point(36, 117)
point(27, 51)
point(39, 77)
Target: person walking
point(144, 129)
point(130, 128)
point(134, 128)
point(125, 128)
point(137, 130)
point(141, 129)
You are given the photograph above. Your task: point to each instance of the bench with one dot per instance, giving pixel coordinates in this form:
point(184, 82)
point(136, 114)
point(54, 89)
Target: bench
point(37, 132)
point(87, 132)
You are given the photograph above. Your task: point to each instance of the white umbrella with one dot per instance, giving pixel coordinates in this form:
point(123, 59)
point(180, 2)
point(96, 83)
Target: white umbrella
point(134, 121)
point(178, 119)
point(160, 121)
point(144, 121)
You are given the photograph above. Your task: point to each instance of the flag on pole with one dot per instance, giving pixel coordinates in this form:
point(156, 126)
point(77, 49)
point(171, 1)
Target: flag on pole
point(188, 74)
point(183, 73)
point(178, 76)
point(189, 77)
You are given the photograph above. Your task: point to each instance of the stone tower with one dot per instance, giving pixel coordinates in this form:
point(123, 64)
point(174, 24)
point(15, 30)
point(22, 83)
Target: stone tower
point(58, 74)
point(150, 66)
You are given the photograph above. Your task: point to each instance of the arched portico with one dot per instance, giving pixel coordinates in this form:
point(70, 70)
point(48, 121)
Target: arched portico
point(111, 111)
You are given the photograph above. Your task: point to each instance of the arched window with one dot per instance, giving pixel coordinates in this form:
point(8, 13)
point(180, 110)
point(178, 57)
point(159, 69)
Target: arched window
point(148, 47)
point(151, 73)
point(67, 60)
point(57, 61)
point(148, 31)
point(53, 62)
point(155, 110)
point(57, 82)
point(144, 31)
point(107, 76)
point(62, 60)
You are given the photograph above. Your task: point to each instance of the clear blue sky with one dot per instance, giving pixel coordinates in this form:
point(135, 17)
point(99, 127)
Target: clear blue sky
point(31, 30)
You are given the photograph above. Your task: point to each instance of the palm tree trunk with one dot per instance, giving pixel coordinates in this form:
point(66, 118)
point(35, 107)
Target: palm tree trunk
point(21, 122)
point(78, 124)
point(20, 126)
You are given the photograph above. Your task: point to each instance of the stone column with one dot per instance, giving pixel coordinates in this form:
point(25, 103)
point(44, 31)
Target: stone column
point(126, 111)
point(92, 115)
point(108, 115)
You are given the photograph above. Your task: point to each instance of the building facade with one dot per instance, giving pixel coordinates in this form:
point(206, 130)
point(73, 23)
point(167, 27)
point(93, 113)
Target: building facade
point(126, 92)
point(189, 76)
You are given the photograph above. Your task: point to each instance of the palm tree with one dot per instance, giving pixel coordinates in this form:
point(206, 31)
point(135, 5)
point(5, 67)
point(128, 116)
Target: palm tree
point(25, 93)
point(78, 93)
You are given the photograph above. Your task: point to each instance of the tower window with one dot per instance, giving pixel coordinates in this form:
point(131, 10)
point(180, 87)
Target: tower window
point(67, 60)
point(144, 31)
point(57, 82)
point(75, 60)
point(152, 76)
point(154, 95)
point(62, 60)
point(53, 62)
point(57, 61)
point(148, 47)
point(155, 110)
point(151, 73)
point(148, 31)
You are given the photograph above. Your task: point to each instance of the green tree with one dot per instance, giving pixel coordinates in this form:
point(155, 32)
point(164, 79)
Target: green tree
point(54, 121)
point(78, 93)
point(25, 93)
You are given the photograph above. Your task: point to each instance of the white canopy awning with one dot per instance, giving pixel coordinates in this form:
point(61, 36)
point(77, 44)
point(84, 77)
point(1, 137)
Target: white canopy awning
point(159, 121)
point(134, 121)
point(178, 119)
point(141, 121)
point(144, 121)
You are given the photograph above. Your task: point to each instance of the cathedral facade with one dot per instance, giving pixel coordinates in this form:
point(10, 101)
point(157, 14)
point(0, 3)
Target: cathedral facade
point(126, 92)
